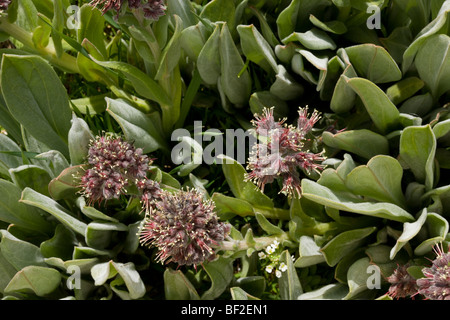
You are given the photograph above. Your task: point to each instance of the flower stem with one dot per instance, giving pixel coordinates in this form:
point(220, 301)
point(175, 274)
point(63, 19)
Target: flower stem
point(65, 62)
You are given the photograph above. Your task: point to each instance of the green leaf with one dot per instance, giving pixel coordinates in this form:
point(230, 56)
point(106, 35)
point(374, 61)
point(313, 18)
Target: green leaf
point(67, 183)
point(141, 128)
point(228, 207)
point(364, 143)
point(235, 175)
point(219, 10)
point(383, 112)
point(8, 160)
point(329, 292)
point(239, 294)
point(437, 26)
point(79, 139)
point(31, 176)
point(8, 122)
point(34, 279)
point(404, 89)
point(35, 199)
point(345, 243)
point(235, 84)
point(357, 277)
point(410, 230)
point(264, 99)
point(417, 152)
point(125, 273)
point(309, 253)
point(91, 27)
point(334, 26)
point(220, 272)
point(380, 179)
point(37, 99)
point(12, 211)
point(374, 63)
point(19, 253)
point(142, 83)
point(93, 213)
point(325, 196)
point(208, 62)
point(256, 48)
point(290, 286)
point(433, 64)
point(268, 227)
point(285, 87)
point(60, 245)
point(437, 228)
point(343, 98)
point(178, 287)
point(98, 235)
point(171, 54)
point(313, 39)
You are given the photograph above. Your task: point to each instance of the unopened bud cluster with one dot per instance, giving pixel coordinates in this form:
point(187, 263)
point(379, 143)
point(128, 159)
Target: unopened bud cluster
point(4, 4)
point(152, 9)
point(434, 286)
point(113, 164)
point(282, 151)
point(184, 228)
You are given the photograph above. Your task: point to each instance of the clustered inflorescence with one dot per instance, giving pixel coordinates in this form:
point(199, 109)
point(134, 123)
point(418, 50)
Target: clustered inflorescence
point(434, 286)
point(4, 4)
point(153, 9)
point(113, 163)
point(181, 225)
point(271, 259)
point(184, 228)
point(282, 151)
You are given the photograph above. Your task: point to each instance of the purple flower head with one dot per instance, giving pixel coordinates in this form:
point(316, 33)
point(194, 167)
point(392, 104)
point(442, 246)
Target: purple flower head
point(150, 191)
point(108, 5)
point(152, 9)
point(112, 163)
point(183, 227)
point(436, 284)
point(4, 4)
point(402, 283)
point(282, 151)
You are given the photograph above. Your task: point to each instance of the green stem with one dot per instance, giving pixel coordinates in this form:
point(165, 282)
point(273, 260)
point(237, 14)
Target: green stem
point(65, 62)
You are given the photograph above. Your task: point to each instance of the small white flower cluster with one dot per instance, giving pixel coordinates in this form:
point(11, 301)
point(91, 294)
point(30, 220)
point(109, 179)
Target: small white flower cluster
point(272, 255)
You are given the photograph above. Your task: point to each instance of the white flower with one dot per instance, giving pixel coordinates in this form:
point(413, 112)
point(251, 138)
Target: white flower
point(270, 250)
point(283, 267)
point(262, 255)
point(278, 273)
point(269, 269)
point(275, 244)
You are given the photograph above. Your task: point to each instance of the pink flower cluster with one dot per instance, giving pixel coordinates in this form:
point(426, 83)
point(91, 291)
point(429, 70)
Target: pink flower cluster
point(112, 164)
point(4, 4)
point(153, 9)
point(183, 227)
point(436, 284)
point(402, 283)
point(282, 151)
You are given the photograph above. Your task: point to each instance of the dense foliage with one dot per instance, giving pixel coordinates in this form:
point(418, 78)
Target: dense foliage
point(344, 194)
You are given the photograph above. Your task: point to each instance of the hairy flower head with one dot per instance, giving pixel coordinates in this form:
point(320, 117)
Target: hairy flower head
point(4, 4)
point(183, 227)
point(112, 163)
point(402, 283)
point(152, 9)
point(436, 284)
point(282, 151)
